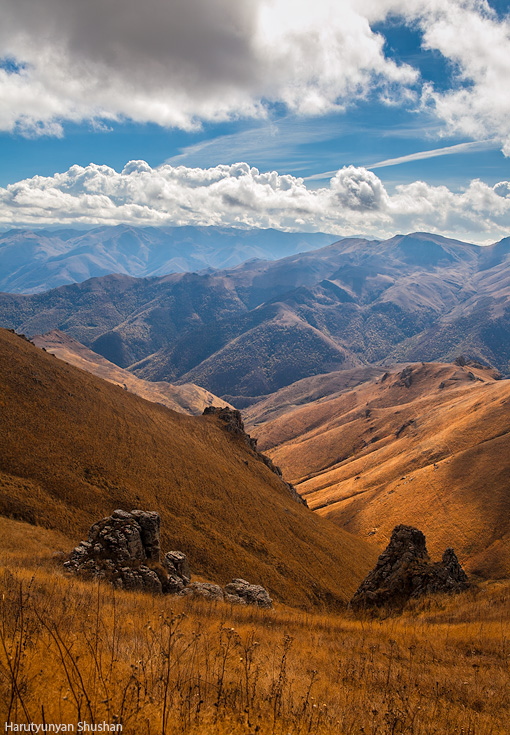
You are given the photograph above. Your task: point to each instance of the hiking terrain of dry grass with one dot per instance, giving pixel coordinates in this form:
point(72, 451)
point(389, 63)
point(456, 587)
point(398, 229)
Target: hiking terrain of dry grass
point(74, 447)
point(430, 448)
point(74, 651)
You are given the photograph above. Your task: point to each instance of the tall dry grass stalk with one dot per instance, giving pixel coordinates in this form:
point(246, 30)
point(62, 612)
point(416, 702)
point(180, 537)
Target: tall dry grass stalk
point(72, 651)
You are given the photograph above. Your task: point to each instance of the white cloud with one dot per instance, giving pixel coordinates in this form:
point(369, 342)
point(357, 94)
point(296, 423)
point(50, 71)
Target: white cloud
point(469, 34)
point(355, 201)
point(177, 63)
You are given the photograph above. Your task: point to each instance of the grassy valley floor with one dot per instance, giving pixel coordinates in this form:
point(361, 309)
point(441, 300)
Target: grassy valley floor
point(72, 651)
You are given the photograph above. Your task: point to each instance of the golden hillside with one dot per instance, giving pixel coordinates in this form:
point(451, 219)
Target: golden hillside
point(427, 446)
point(187, 398)
point(189, 667)
point(74, 447)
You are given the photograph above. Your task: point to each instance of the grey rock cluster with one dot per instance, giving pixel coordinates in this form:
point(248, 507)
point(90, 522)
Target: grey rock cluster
point(404, 571)
point(124, 549)
point(237, 592)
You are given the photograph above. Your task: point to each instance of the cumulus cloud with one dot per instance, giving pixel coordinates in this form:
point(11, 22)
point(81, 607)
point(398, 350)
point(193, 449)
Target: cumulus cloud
point(177, 63)
point(180, 62)
point(476, 42)
point(355, 201)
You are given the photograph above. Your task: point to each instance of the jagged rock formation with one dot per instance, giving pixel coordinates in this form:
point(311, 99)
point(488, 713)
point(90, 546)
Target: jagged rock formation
point(235, 425)
point(404, 571)
point(124, 549)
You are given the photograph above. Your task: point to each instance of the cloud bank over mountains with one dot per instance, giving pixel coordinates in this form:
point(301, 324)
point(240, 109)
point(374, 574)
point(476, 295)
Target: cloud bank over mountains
point(355, 201)
point(179, 63)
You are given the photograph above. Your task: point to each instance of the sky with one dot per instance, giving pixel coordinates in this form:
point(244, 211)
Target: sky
point(366, 117)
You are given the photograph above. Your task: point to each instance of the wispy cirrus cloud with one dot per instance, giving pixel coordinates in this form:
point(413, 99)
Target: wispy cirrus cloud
point(449, 150)
point(470, 147)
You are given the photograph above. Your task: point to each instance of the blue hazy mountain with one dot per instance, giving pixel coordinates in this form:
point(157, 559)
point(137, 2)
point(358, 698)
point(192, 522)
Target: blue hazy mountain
point(32, 261)
point(247, 331)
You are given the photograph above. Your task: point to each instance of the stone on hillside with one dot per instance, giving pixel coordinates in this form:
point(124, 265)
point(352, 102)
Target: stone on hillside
point(121, 550)
point(233, 422)
point(241, 592)
point(205, 590)
point(179, 575)
point(175, 562)
point(124, 549)
point(404, 571)
point(235, 425)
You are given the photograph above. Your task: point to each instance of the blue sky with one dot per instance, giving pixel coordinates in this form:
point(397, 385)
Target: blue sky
point(395, 94)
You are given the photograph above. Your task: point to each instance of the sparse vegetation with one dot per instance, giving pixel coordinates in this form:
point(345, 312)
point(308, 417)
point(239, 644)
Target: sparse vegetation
point(74, 651)
point(73, 448)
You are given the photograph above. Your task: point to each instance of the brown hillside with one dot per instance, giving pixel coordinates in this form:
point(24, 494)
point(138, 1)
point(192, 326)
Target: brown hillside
point(187, 398)
point(428, 446)
point(74, 447)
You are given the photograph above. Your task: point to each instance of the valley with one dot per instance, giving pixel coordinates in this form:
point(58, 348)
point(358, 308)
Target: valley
point(372, 375)
point(245, 332)
point(427, 444)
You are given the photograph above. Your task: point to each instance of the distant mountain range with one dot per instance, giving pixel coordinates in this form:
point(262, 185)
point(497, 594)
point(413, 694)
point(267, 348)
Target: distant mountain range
point(247, 331)
point(36, 261)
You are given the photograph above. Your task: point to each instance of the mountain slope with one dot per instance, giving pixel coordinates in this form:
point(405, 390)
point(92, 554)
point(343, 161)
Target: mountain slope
point(36, 261)
point(187, 398)
point(74, 447)
point(427, 446)
point(250, 330)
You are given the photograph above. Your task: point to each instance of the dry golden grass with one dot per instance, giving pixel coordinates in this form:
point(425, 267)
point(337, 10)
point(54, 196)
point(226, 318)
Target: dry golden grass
point(188, 398)
point(72, 651)
point(433, 457)
point(74, 447)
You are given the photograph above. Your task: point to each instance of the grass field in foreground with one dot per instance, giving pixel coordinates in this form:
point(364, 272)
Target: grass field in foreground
point(73, 651)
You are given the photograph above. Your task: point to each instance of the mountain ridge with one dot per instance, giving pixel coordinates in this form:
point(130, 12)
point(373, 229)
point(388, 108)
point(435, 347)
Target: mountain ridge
point(32, 261)
point(247, 331)
point(218, 500)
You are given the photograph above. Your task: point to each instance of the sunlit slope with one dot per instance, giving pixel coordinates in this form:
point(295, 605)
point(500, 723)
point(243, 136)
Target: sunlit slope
point(187, 398)
point(428, 446)
point(74, 447)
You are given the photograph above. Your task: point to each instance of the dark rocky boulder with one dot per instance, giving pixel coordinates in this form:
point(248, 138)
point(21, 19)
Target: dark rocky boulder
point(404, 571)
point(177, 567)
point(124, 549)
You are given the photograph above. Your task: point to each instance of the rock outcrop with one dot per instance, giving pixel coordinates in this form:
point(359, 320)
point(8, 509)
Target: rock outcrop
point(241, 592)
point(235, 425)
point(206, 590)
point(233, 422)
point(404, 571)
point(124, 549)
